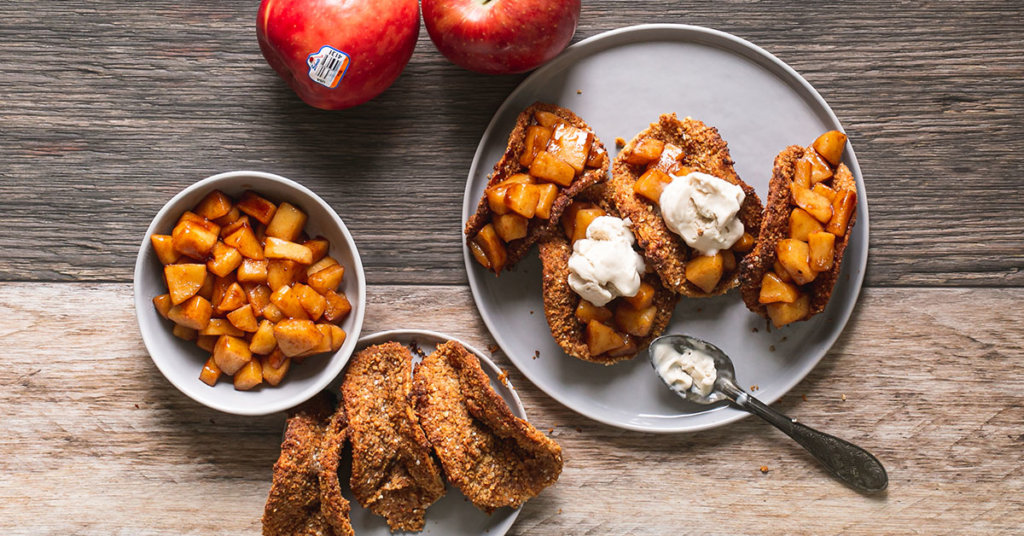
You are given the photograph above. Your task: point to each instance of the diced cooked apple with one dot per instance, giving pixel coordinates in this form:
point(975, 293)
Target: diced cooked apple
point(627, 349)
point(229, 218)
point(782, 313)
point(321, 264)
point(206, 342)
point(774, 289)
point(802, 224)
point(569, 217)
point(235, 225)
point(289, 302)
point(210, 373)
point(587, 311)
point(816, 205)
point(830, 145)
point(705, 271)
point(638, 322)
point(549, 168)
point(325, 341)
point(547, 195)
point(272, 313)
point(163, 304)
point(643, 298)
point(249, 376)
point(182, 332)
point(492, 247)
point(824, 191)
point(584, 217)
point(206, 290)
point(274, 375)
point(295, 337)
point(844, 204)
point(252, 271)
point(338, 306)
point(243, 318)
point(822, 247)
point(184, 280)
point(277, 248)
point(820, 170)
point(191, 217)
point(794, 256)
point(338, 337)
point(602, 338)
point(276, 358)
point(571, 145)
point(192, 239)
point(287, 223)
point(319, 246)
point(782, 272)
point(231, 354)
point(327, 279)
point(510, 226)
point(598, 157)
point(802, 172)
point(536, 140)
point(522, 199)
point(221, 326)
point(728, 260)
point(479, 255)
point(670, 159)
point(163, 246)
point(259, 208)
point(745, 243)
point(220, 288)
point(245, 241)
point(282, 273)
point(263, 341)
point(546, 119)
point(233, 298)
point(651, 184)
point(225, 259)
point(648, 150)
point(496, 194)
point(214, 205)
point(312, 302)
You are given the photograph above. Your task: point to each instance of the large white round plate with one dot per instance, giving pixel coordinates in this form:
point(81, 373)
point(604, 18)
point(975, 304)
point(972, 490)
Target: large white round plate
point(453, 514)
point(619, 82)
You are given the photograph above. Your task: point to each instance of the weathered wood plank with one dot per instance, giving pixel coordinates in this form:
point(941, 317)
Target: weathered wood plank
point(97, 442)
point(159, 94)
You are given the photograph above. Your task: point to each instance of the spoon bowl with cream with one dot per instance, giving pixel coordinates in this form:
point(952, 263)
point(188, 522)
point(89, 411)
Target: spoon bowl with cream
point(700, 372)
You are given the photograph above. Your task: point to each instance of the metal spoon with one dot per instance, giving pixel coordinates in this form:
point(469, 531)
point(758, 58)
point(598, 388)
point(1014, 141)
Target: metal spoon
point(848, 462)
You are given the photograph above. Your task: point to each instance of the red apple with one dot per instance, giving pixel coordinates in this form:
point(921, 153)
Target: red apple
point(336, 54)
point(501, 36)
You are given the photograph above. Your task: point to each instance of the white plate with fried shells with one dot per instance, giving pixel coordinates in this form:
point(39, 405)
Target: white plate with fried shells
point(452, 514)
point(619, 82)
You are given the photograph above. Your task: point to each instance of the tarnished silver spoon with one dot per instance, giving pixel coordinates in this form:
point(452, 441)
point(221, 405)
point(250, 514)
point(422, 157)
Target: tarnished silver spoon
point(848, 462)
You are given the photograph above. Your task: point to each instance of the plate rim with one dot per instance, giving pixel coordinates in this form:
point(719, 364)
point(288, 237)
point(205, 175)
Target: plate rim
point(711, 37)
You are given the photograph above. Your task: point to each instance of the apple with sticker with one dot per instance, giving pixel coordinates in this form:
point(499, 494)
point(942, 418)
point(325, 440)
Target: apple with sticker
point(336, 54)
point(501, 36)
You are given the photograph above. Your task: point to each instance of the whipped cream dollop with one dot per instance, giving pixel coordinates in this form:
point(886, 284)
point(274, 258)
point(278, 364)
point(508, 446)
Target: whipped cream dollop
point(604, 266)
point(702, 209)
point(685, 370)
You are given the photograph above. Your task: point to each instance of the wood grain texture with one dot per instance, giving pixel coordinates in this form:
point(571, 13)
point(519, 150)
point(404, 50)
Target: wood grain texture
point(97, 442)
point(109, 108)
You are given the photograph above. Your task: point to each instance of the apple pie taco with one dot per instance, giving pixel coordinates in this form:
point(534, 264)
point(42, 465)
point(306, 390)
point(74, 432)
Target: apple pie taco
point(692, 216)
point(552, 155)
point(601, 303)
point(811, 209)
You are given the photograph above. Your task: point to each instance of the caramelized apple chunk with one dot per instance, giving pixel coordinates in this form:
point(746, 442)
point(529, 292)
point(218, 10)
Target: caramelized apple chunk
point(705, 271)
point(830, 145)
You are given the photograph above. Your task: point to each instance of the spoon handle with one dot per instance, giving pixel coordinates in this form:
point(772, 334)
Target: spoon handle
point(848, 462)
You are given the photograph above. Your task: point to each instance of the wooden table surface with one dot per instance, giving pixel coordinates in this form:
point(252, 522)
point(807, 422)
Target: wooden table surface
point(108, 108)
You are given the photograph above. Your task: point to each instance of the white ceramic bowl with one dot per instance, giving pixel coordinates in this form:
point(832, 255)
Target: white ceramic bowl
point(181, 361)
